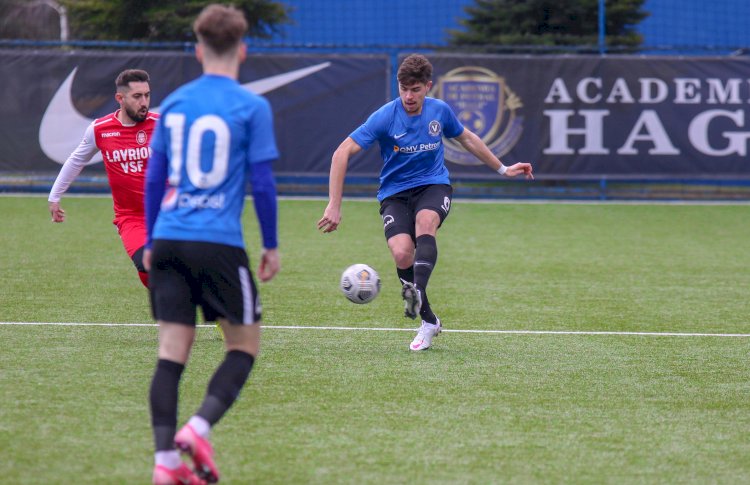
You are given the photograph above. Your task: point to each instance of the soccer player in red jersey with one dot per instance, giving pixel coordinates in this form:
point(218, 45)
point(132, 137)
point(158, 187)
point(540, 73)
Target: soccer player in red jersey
point(123, 138)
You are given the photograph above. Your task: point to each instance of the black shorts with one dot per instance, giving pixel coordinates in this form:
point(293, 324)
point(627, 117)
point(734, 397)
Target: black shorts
point(216, 277)
point(399, 211)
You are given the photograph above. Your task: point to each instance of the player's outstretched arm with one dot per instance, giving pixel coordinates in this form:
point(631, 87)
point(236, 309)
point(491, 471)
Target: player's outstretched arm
point(339, 163)
point(72, 167)
point(521, 168)
point(474, 145)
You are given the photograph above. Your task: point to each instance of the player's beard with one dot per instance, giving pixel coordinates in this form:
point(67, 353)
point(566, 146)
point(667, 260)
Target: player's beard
point(135, 115)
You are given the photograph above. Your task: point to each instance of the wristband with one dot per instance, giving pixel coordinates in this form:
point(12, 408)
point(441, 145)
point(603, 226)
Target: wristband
point(502, 169)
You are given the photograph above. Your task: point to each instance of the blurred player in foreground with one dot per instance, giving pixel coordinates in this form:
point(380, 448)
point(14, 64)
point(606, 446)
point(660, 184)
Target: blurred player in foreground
point(213, 136)
point(123, 138)
point(415, 192)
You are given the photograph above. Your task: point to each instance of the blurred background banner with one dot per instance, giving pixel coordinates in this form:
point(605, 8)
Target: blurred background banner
point(573, 116)
point(603, 116)
point(48, 99)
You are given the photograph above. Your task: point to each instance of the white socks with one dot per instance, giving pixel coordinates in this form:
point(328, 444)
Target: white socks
point(169, 458)
point(200, 426)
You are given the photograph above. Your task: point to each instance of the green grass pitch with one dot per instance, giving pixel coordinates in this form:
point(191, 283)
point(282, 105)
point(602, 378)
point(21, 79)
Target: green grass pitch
point(561, 403)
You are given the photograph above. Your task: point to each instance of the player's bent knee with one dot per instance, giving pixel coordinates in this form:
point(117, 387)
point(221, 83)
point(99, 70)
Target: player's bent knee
point(403, 259)
point(402, 250)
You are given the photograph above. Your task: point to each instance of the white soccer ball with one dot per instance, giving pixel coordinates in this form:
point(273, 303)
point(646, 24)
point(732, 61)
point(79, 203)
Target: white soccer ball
point(360, 283)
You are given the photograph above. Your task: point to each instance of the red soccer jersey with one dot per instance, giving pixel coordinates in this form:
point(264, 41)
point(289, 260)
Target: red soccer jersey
point(125, 150)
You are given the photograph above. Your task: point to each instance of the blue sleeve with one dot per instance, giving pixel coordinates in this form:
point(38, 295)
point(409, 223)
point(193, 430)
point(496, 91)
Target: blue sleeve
point(370, 130)
point(452, 127)
point(262, 144)
point(156, 183)
point(264, 196)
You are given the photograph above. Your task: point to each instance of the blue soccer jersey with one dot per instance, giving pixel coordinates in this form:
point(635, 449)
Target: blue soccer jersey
point(411, 146)
point(211, 130)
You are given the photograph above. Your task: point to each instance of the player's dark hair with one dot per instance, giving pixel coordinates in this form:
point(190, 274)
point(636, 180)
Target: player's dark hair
point(220, 27)
point(131, 76)
point(415, 68)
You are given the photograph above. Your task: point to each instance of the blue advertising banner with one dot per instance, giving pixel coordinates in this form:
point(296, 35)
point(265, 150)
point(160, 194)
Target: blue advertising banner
point(602, 116)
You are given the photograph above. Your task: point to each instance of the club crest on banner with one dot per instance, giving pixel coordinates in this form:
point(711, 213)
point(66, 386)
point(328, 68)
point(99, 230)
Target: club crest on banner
point(485, 105)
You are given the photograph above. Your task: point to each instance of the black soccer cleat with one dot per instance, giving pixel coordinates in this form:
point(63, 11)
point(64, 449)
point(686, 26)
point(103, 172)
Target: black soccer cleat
point(412, 300)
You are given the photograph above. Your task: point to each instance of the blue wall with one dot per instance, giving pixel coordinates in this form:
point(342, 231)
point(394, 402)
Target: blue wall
point(379, 22)
point(426, 22)
point(697, 23)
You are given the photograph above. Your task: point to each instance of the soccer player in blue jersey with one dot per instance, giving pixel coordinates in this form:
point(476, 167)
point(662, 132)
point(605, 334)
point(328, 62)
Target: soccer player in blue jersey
point(212, 138)
point(415, 191)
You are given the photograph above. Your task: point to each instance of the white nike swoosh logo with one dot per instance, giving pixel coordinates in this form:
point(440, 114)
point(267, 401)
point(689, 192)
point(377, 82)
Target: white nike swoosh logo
point(62, 125)
point(398, 137)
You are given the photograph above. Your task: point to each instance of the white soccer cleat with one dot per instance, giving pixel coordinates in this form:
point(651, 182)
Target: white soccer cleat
point(424, 337)
point(412, 300)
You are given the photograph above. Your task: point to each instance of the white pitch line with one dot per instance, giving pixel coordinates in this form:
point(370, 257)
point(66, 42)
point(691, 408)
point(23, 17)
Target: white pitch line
point(583, 332)
point(386, 329)
point(79, 324)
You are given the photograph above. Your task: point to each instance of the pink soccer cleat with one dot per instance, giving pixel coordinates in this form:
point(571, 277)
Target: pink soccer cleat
point(190, 442)
point(180, 476)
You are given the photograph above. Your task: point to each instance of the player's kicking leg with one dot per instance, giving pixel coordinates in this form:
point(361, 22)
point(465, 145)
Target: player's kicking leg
point(169, 468)
point(242, 344)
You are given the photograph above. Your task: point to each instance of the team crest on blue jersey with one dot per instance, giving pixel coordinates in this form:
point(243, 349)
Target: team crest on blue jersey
point(485, 105)
point(435, 128)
